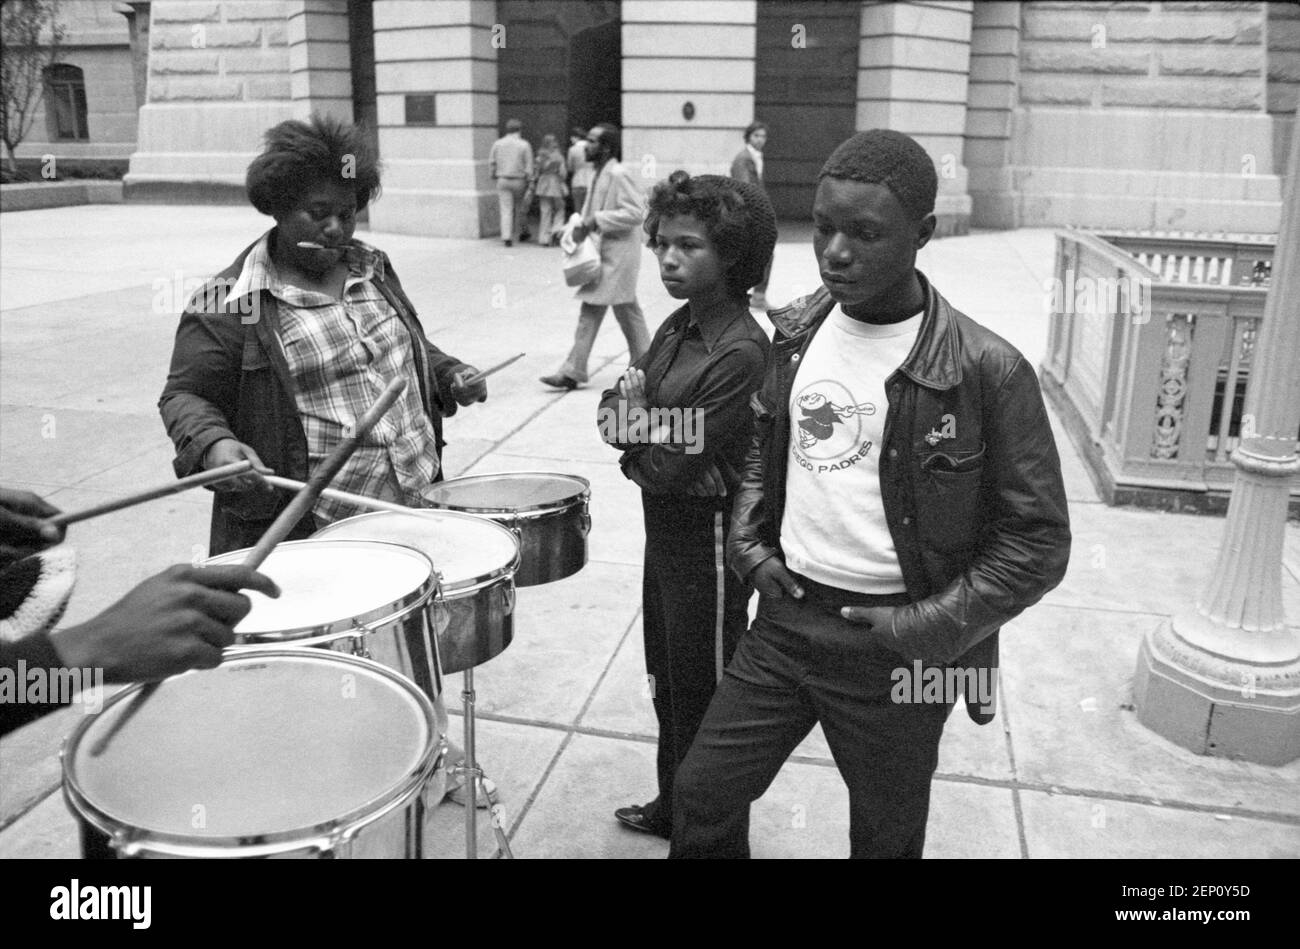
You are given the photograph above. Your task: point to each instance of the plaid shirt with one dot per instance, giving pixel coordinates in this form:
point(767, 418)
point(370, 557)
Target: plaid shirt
point(341, 354)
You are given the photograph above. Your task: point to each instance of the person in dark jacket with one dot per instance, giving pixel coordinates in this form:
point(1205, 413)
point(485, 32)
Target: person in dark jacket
point(276, 356)
point(889, 539)
point(713, 237)
point(747, 166)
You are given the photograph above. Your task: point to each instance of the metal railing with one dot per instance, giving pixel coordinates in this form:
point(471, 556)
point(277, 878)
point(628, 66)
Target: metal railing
point(1149, 356)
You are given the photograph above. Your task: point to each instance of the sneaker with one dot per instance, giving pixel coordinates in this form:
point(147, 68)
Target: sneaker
point(644, 819)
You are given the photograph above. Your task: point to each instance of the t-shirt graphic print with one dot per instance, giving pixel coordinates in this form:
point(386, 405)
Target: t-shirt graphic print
point(834, 529)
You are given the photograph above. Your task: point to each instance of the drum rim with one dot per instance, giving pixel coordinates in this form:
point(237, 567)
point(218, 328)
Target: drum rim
point(389, 612)
point(535, 510)
point(327, 835)
point(464, 585)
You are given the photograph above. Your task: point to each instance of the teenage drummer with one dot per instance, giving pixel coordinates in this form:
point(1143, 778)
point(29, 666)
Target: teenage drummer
point(279, 353)
point(681, 417)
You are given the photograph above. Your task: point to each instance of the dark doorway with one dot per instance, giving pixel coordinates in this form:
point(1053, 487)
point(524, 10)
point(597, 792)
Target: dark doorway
point(361, 49)
point(561, 65)
point(807, 94)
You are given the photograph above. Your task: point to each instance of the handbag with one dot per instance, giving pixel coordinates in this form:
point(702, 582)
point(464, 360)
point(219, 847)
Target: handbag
point(581, 260)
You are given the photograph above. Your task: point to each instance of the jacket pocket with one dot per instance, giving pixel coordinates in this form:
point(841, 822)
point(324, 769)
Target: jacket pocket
point(948, 494)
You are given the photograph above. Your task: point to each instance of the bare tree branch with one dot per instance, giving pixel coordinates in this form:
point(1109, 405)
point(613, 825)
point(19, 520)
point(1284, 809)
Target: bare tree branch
point(30, 37)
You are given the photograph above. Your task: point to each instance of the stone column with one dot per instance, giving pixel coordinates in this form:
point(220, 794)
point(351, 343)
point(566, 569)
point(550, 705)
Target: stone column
point(218, 79)
point(320, 68)
point(682, 52)
point(435, 147)
point(913, 68)
point(990, 109)
point(1223, 678)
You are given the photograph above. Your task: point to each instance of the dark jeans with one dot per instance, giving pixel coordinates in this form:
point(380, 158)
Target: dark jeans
point(689, 635)
point(800, 664)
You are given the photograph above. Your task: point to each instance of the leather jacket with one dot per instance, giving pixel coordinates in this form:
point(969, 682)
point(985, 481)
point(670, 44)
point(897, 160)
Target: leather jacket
point(970, 478)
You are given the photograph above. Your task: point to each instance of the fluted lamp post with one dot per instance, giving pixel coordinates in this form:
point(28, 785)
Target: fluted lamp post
point(1223, 678)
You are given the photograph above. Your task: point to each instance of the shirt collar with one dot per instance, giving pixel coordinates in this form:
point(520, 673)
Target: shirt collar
point(259, 271)
point(711, 331)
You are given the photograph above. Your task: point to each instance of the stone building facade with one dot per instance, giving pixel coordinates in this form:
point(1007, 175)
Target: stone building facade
point(86, 118)
point(1131, 114)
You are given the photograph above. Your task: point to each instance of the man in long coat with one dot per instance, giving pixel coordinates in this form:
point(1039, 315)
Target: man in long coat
point(614, 210)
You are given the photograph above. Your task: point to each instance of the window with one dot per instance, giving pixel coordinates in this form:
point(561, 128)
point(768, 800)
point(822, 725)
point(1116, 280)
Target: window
point(65, 102)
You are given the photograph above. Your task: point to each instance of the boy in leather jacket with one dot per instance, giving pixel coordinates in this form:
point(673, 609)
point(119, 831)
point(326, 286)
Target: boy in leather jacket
point(902, 500)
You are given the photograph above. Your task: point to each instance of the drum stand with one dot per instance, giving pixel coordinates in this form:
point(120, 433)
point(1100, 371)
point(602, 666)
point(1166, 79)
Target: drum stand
point(472, 774)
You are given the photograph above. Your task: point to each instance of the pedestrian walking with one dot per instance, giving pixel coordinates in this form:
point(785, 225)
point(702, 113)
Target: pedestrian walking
point(614, 210)
point(747, 166)
point(510, 164)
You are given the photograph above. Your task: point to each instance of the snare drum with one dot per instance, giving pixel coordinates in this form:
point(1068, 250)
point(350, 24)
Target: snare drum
point(352, 596)
point(475, 560)
point(278, 752)
point(547, 511)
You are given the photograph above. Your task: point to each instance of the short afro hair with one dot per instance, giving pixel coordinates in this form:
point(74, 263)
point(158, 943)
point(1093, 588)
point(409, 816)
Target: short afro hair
point(892, 159)
point(737, 217)
point(300, 155)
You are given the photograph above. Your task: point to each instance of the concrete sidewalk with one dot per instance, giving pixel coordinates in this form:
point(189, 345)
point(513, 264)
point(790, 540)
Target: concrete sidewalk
point(89, 298)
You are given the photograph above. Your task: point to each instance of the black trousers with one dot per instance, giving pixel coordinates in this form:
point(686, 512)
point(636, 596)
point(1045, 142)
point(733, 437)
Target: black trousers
point(694, 612)
point(801, 664)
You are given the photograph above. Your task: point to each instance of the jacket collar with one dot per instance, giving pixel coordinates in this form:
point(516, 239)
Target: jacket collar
point(935, 359)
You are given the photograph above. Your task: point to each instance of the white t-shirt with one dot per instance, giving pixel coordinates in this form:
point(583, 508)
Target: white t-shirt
point(834, 528)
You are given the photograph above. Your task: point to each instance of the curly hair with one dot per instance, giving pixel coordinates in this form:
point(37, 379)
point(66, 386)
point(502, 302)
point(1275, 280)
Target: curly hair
point(737, 217)
point(299, 155)
point(889, 158)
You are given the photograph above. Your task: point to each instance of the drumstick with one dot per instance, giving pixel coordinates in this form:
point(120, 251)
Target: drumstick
point(175, 487)
point(282, 525)
point(322, 476)
point(312, 245)
point(480, 376)
point(360, 500)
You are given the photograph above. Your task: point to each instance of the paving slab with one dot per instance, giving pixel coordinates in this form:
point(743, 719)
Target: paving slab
point(1059, 826)
point(29, 762)
point(47, 832)
point(1069, 678)
point(67, 446)
point(565, 636)
point(1079, 486)
point(515, 758)
point(1145, 561)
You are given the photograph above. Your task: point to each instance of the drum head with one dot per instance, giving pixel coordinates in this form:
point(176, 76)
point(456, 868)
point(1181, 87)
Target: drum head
point(281, 743)
point(521, 491)
point(465, 550)
point(327, 586)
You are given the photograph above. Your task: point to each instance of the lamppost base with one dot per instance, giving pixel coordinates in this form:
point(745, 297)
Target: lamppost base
point(1215, 704)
